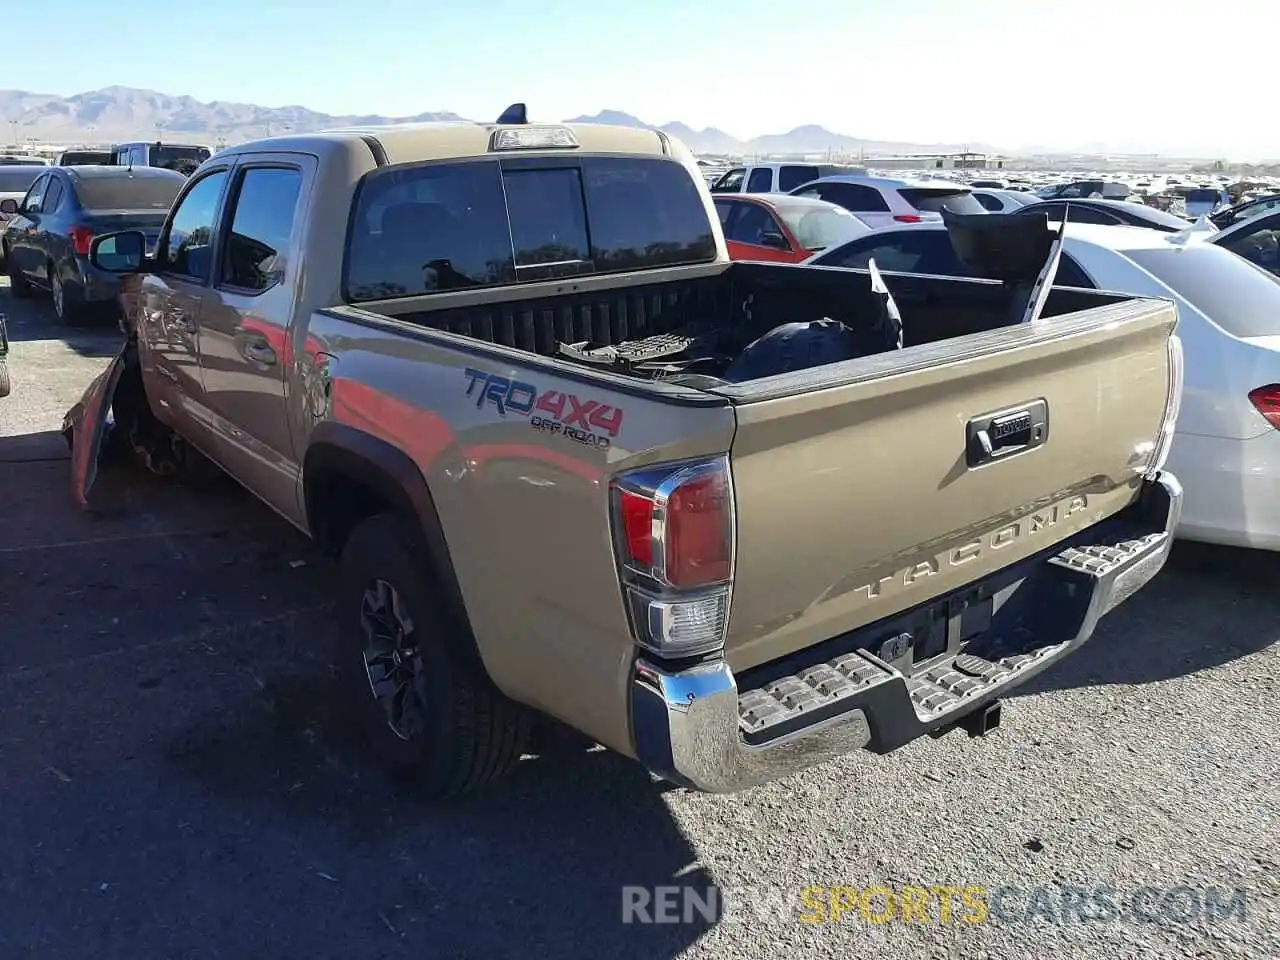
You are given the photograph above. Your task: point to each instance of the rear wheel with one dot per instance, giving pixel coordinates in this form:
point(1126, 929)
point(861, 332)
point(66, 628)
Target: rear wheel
point(426, 709)
point(4, 379)
point(19, 286)
point(67, 307)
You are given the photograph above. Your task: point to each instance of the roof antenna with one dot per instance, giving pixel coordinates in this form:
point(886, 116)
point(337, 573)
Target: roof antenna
point(516, 113)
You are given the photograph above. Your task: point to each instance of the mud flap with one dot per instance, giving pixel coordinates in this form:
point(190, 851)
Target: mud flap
point(87, 424)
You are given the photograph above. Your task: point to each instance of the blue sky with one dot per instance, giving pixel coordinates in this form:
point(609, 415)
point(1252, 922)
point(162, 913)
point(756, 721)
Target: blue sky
point(1012, 72)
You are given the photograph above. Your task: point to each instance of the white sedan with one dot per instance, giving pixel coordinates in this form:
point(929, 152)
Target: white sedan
point(1227, 448)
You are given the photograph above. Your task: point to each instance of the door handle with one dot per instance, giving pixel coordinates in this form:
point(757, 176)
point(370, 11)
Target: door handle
point(1006, 432)
point(259, 351)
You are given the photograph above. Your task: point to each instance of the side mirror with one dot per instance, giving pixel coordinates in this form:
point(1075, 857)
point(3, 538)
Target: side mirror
point(9, 206)
point(775, 241)
point(123, 252)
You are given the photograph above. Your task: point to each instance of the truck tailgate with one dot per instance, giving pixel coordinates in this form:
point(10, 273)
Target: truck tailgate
point(865, 489)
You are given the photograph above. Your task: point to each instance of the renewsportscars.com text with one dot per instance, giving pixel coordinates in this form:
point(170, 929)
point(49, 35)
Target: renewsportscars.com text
point(940, 904)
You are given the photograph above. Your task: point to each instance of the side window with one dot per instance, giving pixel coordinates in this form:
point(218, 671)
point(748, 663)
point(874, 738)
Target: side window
point(188, 249)
point(751, 224)
point(760, 181)
point(916, 251)
point(1071, 274)
point(52, 196)
point(791, 176)
point(988, 202)
point(256, 253)
point(35, 196)
point(731, 182)
point(1081, 214)
point(1260, 245)
point(853, 197)
point(725, 210)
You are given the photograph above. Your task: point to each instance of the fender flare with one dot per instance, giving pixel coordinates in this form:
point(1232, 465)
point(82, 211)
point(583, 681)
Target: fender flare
point(393, 475)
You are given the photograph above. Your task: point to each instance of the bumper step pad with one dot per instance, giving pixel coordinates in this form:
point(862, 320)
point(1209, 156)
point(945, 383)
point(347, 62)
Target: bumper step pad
point(942, 691)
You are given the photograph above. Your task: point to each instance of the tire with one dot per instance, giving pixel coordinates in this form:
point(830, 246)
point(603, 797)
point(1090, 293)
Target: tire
point(462, 732)
point(4, 379)
point(19, 285)
point(66, 307)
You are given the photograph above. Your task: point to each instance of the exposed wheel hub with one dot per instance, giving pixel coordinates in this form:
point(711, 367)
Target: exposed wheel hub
point(391, 658)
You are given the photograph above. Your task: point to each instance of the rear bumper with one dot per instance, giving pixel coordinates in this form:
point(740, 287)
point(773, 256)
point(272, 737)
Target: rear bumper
point(704, 728)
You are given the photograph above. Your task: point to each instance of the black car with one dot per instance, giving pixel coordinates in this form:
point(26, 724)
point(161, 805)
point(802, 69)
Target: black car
point(45, 245)
point(1244, 211)
point(1107, 212)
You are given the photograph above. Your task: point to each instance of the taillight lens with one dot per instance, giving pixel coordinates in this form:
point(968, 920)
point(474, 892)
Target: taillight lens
point(81, 239)
point(1266, 400)
point(674, 540)
point(908, 218)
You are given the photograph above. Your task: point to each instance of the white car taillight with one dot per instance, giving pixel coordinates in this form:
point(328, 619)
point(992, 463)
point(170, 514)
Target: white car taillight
point(673, 529)
point(1164, 442)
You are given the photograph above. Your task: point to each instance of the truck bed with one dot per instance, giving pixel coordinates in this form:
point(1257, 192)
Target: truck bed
point(744, 299)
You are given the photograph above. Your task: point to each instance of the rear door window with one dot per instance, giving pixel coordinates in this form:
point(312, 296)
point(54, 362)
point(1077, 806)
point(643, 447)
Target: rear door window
point(792, 176)
point(438, 227)
point(989, 202)
point(854, 197)
point(751, 225)
point(760, 181)
point(52, 196)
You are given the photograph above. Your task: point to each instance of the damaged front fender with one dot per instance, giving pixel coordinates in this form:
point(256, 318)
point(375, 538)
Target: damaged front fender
point(88, 423)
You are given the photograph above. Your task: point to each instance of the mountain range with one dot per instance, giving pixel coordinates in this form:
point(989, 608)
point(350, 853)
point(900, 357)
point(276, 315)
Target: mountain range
point(125, 113)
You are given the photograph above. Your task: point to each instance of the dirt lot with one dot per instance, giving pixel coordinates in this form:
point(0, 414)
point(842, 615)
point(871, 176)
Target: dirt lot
point(178, 778)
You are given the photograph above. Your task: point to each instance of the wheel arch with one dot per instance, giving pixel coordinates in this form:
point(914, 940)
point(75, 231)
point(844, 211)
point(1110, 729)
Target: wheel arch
point(349, 475)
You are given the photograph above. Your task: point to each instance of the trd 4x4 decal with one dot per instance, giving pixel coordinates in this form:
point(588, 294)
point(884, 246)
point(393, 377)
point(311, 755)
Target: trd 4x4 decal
point(584, 421)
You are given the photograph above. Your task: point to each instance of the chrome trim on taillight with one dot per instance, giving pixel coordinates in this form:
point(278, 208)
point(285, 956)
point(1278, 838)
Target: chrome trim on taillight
point(657, 609)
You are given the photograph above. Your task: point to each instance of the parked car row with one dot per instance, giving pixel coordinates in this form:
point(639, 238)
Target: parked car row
point(45, 242)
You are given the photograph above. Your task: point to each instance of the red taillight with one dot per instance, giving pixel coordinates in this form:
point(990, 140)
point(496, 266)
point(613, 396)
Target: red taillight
point(81, 239)
point(636, 515)
point(1266, 400)
point(909, 218)
point(698, 533)
point(674, 539)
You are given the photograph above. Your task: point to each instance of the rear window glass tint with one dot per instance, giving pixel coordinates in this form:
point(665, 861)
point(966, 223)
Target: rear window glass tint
point(933, 199)
point(645, 213)
point(548, 221)
point(443, 227)
point(18, 179)
point(127, 192)
point(1242, 299)
point(431, 228)
point(790, 177)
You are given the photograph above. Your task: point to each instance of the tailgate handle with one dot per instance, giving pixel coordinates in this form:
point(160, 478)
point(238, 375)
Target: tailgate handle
point(994, 436)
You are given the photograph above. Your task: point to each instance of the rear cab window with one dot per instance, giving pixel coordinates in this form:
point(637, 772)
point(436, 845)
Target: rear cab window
point(435, 227)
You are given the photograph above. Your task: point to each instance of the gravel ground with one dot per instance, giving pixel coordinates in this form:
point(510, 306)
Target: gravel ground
point(178, 777)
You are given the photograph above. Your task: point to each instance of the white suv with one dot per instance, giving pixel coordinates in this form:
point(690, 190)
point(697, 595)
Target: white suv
point(881, 202)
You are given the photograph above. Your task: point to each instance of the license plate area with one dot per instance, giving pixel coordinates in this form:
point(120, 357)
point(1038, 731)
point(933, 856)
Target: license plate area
point(937, 631)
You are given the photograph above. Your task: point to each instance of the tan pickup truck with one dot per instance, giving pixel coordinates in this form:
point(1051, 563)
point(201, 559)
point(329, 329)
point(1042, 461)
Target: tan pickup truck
point(730, 519)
